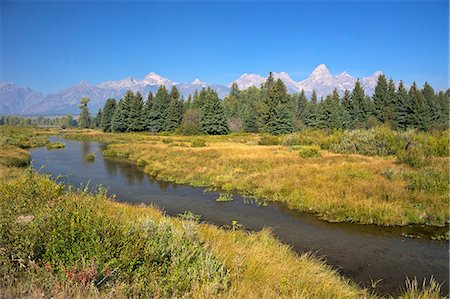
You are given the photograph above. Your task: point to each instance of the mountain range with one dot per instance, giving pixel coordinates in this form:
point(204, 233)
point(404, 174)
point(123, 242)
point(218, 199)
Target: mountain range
point(25, 101)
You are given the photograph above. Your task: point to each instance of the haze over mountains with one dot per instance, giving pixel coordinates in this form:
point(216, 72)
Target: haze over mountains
point(25, 101)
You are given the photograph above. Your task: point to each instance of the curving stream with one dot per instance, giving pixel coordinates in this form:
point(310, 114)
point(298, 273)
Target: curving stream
point(364, 253)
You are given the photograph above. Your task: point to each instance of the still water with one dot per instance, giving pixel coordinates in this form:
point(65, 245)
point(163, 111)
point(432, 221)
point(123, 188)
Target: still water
point(363, 253)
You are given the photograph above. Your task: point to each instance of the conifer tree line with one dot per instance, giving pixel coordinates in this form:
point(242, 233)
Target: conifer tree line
point(271, 109)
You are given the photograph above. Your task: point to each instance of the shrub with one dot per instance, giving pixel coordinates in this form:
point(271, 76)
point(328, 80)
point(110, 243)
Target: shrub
point(269, 140)
point(198, 142)
point(414, 156)
point(90, 157)
point(190, 125)
point(309, 151)
point(306, 137)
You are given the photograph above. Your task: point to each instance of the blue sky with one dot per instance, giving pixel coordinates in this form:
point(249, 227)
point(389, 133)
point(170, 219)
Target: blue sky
point(49, 46)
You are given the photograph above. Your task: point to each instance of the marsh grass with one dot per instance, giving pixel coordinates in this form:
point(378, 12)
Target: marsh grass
point(55, 145)
point(65, 243)
point(338, 187)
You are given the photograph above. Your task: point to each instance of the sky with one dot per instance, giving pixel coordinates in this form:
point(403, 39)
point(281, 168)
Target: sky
point(49, 46)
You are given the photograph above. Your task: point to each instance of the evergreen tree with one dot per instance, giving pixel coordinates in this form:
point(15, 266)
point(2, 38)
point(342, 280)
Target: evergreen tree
point(108, 111)
point(401, 107)
point(300, 106)
point(213, 120)
point(380, 97)
point(358, 100)
point(147, 113)
point(174, 111)
point(417, 111)
point(136, 115)
point(119, 121)
point(431, 107)
point(84, 120)
point(158, 112)
point(310, 117)
point(276, 117)
point(98, 118)
point(442, 100)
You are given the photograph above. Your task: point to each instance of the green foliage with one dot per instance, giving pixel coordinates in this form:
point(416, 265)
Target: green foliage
point(89, 157)
point(84, 121)
point(108, 111)
point(77, 239)
point(269, 140)
point(429, 180)
point(198, 142)
point(309, 151)
point(213, 120)
point(190, 125)
point(225, 197)
point(55, 145)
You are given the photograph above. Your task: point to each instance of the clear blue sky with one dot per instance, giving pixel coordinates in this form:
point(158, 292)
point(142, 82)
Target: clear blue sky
point(49, 46)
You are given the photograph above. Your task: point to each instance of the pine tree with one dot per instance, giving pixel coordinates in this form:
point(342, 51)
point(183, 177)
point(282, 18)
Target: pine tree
point(310, 117)
point(417, 112)
point(174, 111)
point(147, 112)
point(300, 106)
point(136, 118)
point(98, 118)
point(119, 121)
point(84, 120)
point(358, 100)
point(108, 111)
point(431, 107)
point(213, 120)
point(401, 107)
point(158, 112)
point(380, 97)
point(275, 111)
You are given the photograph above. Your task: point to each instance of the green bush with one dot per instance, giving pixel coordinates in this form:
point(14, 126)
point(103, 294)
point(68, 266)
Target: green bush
point(89, 157)
point(428, 180)
point(309, 151)
point(269, 140)
point(306, 137)
point(198, 142)
point(414, 156)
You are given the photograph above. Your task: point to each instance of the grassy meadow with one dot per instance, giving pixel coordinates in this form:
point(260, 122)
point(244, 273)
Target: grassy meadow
point(369, 177)
point(68, 243)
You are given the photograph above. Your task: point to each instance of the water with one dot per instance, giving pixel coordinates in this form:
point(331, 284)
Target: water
point(364, 253)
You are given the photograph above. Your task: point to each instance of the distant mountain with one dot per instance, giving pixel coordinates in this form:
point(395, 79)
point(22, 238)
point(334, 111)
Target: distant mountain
point(14, 99)
point(319, 80)
point(25, 101)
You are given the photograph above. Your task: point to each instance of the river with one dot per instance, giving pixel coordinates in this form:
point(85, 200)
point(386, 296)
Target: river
point(364, 253)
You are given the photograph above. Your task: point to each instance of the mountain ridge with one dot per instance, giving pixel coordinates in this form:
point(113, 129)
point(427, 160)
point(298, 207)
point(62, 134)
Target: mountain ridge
point(26, 101)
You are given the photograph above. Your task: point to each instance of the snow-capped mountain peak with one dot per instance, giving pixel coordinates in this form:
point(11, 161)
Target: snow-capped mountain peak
point(247, 80)
point(155, 79)
point(197, 82)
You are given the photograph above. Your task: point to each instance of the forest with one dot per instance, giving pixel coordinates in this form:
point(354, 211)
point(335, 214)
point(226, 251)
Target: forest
point(270, 109)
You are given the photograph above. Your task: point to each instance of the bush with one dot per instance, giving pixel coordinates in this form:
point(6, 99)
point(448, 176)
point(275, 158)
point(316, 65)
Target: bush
point(306, 137)
point(269, 140)
point(90, 157)
point(413, 155)
point(309, 151)
point(198, 142)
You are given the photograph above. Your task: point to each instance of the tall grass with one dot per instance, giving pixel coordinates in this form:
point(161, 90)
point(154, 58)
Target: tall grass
point(338, 187)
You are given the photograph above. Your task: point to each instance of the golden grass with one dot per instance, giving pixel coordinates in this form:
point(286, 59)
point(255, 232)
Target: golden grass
point(338, 187)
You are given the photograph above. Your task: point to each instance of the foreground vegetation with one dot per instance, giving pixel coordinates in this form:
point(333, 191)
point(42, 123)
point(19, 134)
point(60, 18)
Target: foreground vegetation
point(377, 176)
point(57, 242)
point(60, 243)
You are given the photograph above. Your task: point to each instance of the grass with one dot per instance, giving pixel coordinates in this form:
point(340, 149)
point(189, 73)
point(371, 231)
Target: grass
point(55, 145)
point(336, 186)
point(63, 242)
